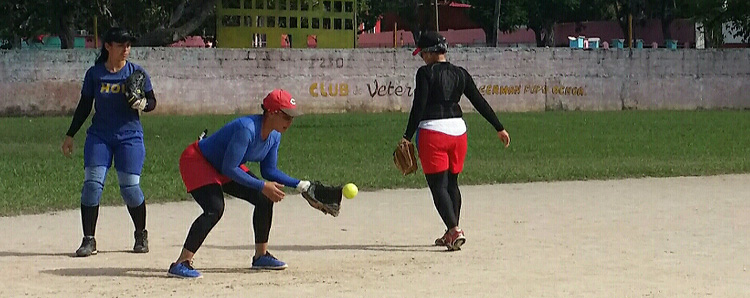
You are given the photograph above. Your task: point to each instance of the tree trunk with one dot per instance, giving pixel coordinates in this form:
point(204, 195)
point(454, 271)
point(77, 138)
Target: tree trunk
point(430, 19)
point(538, 36)
point(490, 36)
point(621, 12)
point(414, 19)
point(665, 24)
point(415, 34)
point(16, 42)
point(667, 16)
point(165, 36)
point(65, 30)
point(546, 37)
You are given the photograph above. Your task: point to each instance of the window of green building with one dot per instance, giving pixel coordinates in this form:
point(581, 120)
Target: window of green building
point(259, 40)
point(258, 20)
point(337, 24)
point(230, 3)
point(230, 21)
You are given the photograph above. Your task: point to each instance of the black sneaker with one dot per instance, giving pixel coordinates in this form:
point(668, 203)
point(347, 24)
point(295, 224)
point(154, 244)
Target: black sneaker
point(88, 247)
point(141, 242)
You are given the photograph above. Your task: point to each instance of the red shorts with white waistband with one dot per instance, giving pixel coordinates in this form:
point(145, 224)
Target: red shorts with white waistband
point(196, 171)
point(440, 152)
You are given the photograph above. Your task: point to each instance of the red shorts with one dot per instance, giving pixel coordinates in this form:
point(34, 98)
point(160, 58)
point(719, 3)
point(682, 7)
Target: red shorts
point(439, 152)
point(196, 171)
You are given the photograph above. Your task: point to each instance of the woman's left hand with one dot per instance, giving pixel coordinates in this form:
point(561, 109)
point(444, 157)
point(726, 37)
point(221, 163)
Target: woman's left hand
point(504, 136)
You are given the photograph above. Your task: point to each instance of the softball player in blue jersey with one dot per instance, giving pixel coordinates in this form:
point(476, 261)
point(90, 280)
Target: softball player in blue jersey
point(115, 134)
point(216, 165)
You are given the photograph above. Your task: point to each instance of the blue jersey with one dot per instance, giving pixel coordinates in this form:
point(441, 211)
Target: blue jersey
point(240, 141)
point(112, 114)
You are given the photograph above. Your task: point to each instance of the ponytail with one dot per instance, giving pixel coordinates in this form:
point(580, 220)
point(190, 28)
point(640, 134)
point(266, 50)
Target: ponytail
point(103, 55)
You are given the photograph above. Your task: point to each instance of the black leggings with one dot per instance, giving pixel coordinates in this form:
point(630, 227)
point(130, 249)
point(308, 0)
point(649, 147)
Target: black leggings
point(446, 196)
point(211, 199)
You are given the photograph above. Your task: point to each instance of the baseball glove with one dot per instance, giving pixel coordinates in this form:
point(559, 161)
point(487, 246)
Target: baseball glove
point(404, 158)
point(325, 198)
point(203, 134)
point(133, 89)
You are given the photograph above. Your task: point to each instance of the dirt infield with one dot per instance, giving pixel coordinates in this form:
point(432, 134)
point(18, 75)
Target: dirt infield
point(666, 237)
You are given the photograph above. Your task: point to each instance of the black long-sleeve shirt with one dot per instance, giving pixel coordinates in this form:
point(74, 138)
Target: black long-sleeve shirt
point(438, 89)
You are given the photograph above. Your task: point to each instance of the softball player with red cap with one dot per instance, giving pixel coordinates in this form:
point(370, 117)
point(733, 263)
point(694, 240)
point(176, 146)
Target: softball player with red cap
point(216, 165)
point(437, 120)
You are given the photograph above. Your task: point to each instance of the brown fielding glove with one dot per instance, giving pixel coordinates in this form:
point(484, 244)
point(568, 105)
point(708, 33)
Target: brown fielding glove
point(325, 198)
point(404, 158)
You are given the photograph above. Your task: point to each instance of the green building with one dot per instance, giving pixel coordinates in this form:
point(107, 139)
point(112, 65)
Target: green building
point(286, 24)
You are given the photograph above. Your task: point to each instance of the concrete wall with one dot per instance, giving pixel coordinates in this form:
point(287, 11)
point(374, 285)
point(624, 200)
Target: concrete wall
point(192, 81)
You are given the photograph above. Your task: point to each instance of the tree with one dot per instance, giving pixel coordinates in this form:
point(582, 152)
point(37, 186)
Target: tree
point(665, 11)
point(409, 11)
point(158, 24)
point(624, 9)
point(66, 16)
point(24, 19)
point(739, 17)
point(511, 17)
point(542, 15)
point(716, 15)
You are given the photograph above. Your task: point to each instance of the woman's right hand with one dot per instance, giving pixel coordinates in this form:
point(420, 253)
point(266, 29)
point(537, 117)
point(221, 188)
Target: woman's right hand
point(273, 191)
point(67, 146)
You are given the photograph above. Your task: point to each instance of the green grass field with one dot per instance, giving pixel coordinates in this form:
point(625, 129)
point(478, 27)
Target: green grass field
point(339, 148)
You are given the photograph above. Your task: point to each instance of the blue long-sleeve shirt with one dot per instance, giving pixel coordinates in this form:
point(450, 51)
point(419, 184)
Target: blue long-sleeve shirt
point(238, 142)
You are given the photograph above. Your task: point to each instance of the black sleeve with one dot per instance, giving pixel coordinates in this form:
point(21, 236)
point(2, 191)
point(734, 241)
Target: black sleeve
point(421, 91)
point(150, 101)
point(82, 112)
point(478, 101)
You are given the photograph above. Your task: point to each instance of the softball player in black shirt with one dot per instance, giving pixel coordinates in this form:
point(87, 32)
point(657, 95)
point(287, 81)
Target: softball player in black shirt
point(437, 120)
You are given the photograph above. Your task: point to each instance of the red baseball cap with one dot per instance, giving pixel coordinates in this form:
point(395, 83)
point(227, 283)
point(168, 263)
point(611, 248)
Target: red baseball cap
point(281, 100)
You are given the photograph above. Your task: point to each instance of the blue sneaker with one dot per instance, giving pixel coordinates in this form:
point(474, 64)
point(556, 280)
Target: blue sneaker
point(183, 270)
point(268, 261)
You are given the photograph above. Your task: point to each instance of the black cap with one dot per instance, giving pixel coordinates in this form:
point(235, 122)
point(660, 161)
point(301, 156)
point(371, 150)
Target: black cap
point(120, 35)
point(431, 41)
